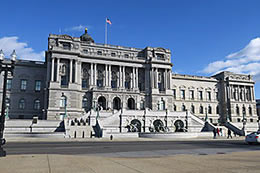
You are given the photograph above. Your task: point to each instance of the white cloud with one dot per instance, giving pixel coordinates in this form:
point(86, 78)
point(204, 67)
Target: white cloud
point(245, 61)
point(8, 44)
point(79, 28)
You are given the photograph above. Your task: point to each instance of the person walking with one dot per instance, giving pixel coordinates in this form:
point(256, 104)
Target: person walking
point(218, 131)
point(229, 134)
point(214, 133)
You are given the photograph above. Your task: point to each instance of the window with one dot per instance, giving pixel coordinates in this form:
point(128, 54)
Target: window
point(174, 93)
point(66, 46)
point(238, 120)
point(37, 104)
point(99, 52)
point(183, 108)
point(142, 106)
point(201, 109)
point(192, 109)
point(251, 120)
point(217, 109)
point(191, 94)
point(23, 84)
point(200, 95)
point(113, 54)
point(159, 56)
point(85, 51)
point(209, 110)
point(250, 111)
point(126, 55)
point(9, 84)
point(174, 108)
point(37, 85)
point(84, 83)
point(84, 102)
point(161, 105)
point(209, 95)
point(22, 104)
point(216, 95)
point(182, 94)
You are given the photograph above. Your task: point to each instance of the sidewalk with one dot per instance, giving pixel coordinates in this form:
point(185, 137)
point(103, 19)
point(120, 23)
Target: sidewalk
point(233, 162)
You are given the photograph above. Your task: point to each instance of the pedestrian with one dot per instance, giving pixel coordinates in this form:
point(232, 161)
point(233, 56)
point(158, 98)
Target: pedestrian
point(229, 134)
point(235, 135)
point(218, 131)
point(214, 133)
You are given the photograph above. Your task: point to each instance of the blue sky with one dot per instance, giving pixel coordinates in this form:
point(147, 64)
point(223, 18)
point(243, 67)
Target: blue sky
point(205, 36)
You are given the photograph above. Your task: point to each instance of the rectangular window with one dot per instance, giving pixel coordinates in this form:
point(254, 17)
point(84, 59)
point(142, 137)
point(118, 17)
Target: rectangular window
point(191, 94)
point(182, 94)
point(37, 85)
point(66, 46)
point(9, 84)
point(209, 95)
point(84, 83)
point(200, 95)
point(113, 54)
point(23, 84)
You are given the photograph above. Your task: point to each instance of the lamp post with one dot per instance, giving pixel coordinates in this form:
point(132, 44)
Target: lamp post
point(6, 65)
point(187, 120)
point(64, 99)
point(244, 119)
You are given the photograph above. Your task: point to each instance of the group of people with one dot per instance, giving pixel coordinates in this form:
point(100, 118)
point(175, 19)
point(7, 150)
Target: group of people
point(218, 131)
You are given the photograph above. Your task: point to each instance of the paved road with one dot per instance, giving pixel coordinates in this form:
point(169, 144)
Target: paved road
point(130, 148)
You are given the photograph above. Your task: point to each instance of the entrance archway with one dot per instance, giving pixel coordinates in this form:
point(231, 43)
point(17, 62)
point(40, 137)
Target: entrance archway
point(131, 104)
point(102, 102)
point(179, 126)
point(158, 125)
point(135, 126)
point(117, 103)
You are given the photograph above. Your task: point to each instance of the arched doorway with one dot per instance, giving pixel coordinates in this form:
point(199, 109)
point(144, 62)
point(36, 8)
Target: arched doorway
point(135, 126)
point(117, 103)
point(158, 125)
point(131, 104)
point(179, 126)
point(102, 102)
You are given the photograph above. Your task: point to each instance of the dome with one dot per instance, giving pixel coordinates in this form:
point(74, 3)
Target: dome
point(86, 37)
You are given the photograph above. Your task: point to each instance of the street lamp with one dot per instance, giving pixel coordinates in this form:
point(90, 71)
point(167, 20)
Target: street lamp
point(244, 119)
point(206, 117)
point(187, 120)
point(64, 103)
point(6, 65)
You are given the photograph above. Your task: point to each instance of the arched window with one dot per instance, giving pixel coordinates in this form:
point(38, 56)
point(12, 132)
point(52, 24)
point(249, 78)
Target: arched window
point(63, 101)
point(102, 102)
point(21, 104)
point(142, 107)
point(192, 109)
point(201, 109)
point(183, 108)
point(209, 109)
point(37, 104)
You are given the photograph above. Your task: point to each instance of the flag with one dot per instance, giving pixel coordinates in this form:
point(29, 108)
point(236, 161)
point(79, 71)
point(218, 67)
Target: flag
point(109, 22)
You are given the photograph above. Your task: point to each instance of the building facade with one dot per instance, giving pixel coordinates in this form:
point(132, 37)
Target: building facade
point(79, 74)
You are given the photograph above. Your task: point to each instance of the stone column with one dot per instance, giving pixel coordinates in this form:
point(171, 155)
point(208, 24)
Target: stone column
point(136, 77)
point(71, 61)
point(152, 78)
point(95, 74)
point(76, 72)
point(123, 76)
point(79, 76)
point(58, 70)
point(165, 79)
point(156, 78)
point(106, 76)
point(109, 75)
point(170, 79)
point(253, 93)
point(52, 69)
point(134, 85)
point(91, 74)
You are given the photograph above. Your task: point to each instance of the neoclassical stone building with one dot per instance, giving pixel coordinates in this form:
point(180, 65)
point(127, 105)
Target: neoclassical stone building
point(79, 74)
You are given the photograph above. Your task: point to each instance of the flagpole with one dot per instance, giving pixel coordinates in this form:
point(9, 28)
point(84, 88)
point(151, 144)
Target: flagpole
point(106, 31)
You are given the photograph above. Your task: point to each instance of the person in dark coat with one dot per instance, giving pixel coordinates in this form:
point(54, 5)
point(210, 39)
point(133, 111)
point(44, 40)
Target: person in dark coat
point(229, 134)
point(214, 133)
